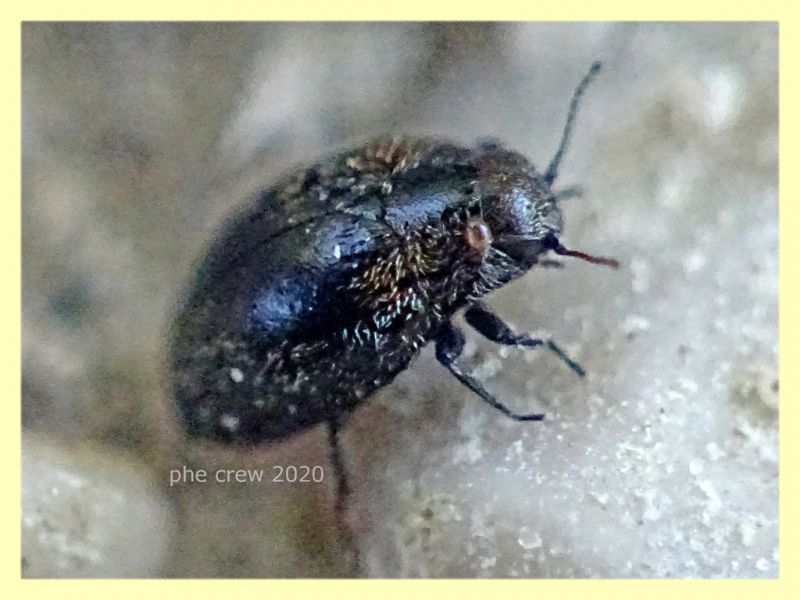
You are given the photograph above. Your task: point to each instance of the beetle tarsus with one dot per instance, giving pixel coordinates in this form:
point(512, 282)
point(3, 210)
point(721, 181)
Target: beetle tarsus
point(576, 368)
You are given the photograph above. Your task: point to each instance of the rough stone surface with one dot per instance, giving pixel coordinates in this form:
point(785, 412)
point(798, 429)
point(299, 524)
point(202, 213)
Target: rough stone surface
point(662, 462)
point(88, 513)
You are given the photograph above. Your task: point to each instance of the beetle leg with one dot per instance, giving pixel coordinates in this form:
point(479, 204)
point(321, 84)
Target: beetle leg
point(449, 346)
point(342, 492)
point(494, 328)
point(549, 263)
point(573, 191)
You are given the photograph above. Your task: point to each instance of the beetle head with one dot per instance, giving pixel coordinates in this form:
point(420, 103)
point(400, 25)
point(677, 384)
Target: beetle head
point(518, 205)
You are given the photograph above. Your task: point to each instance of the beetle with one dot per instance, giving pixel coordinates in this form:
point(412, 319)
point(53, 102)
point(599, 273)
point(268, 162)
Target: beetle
point(327, 286)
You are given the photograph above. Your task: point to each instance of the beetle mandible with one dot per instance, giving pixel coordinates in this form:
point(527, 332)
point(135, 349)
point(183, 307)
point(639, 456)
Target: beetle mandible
point(328, 285)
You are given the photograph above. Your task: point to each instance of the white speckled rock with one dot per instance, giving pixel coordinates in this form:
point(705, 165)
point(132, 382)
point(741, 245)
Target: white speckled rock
point(90, 513)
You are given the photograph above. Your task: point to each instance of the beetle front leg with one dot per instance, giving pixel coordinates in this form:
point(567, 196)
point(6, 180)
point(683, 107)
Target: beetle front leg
point(573, 191)
point(488, 324)
point(449, 346)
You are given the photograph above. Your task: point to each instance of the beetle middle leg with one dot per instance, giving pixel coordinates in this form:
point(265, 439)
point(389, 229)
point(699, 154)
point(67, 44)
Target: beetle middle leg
point(485, 322)
point(449, 346)
point(342, 493)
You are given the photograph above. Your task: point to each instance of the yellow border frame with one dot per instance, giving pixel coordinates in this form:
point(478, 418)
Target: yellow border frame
point(697, 10)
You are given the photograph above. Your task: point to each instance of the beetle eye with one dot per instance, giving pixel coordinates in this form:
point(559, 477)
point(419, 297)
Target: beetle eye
point(478, 235)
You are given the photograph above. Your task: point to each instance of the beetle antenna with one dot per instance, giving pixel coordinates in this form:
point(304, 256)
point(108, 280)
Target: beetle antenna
point(552, 169)
point(596, 260)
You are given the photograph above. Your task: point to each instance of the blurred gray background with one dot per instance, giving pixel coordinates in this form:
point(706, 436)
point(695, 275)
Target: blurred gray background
point(138, 139)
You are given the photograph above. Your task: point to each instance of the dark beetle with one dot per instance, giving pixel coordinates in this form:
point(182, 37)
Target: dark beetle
point(327, 287)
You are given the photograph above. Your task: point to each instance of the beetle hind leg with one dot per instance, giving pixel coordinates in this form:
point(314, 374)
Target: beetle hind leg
point(449, 346)
point(342, 494)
